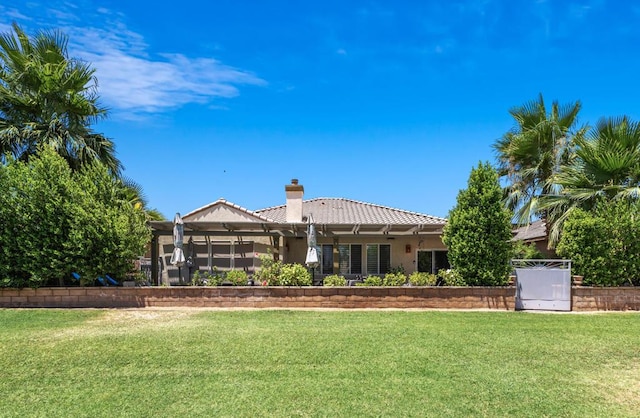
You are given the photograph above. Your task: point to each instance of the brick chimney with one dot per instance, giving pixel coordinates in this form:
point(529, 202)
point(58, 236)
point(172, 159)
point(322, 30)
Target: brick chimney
point(294, 192)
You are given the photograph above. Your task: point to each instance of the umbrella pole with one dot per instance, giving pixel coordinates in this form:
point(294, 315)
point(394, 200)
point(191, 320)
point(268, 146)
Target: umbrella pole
point(179, 275)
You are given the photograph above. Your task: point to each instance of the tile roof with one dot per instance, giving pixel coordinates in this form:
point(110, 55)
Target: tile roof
point(533, 232)
point(346, 211)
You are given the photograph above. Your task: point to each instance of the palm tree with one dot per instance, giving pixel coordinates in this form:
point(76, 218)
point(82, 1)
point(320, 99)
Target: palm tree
point(606, 166)
point(533, 151)
point(132, 193)
point(49, 99)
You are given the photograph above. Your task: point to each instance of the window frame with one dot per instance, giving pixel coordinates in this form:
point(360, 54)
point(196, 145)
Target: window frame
point(433, 251)
point(377, 269)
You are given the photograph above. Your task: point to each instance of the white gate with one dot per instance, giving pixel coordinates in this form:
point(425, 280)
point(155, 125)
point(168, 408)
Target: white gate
point(543, 284)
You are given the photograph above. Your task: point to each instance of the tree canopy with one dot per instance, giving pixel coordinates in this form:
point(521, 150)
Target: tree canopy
point(49, 98)
point(533, 151)
point(605, 165)
point(478, 232)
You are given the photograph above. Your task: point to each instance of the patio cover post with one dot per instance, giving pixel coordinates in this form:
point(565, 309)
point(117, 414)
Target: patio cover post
point(154, 259)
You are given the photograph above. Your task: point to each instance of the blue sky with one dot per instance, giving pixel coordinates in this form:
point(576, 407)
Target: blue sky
point(385, 102)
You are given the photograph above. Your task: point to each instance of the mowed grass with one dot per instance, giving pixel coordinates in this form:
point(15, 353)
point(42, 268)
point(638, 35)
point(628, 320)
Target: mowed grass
point(175, 363)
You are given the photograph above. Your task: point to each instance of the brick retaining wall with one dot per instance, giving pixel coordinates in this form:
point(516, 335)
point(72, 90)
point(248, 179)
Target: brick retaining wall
point(605, 298)
point(499, 298)
point(262, 297)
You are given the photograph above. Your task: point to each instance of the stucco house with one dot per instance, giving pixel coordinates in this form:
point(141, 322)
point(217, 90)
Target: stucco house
point(354, 238)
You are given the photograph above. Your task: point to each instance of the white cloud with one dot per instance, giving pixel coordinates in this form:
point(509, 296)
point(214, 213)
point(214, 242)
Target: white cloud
point(15, 14)
point(132, 79)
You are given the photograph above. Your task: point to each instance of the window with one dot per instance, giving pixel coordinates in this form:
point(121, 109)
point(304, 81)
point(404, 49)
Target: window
point(431, 261)
point(327, 259)
point(378, 258)
point(349, 259)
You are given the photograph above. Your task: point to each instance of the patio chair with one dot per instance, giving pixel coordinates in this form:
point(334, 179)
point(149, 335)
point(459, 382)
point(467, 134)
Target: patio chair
point(111, 280)
point(75, 276)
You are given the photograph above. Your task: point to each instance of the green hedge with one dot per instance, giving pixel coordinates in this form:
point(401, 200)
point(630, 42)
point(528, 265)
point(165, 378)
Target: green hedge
point(604, 245)
point(55, 221)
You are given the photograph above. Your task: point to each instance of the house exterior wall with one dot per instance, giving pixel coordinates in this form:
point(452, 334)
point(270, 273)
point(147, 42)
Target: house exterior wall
point(400, 257)
point(290, 250)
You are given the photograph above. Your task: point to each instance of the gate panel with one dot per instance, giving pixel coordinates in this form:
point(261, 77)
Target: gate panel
point(540, 288)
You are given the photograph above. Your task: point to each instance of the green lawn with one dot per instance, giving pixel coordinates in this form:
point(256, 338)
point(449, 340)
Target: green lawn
point(177, 363)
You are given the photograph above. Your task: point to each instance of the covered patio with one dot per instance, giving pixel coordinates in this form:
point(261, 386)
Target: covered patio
point(287, 241)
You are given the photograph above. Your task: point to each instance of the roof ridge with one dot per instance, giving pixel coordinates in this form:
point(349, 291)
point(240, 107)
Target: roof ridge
point(224, 201)
point(362, 203)
point(303, 200)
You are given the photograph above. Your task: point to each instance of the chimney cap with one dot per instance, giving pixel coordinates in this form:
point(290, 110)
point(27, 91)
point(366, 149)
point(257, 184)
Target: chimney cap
point(294, 186)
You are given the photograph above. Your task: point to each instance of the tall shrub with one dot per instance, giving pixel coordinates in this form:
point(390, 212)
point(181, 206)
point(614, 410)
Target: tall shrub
point(478, 232)
point(56, 221)
point(604, 244)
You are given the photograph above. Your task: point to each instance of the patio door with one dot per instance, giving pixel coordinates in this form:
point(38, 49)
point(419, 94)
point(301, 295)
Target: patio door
point(432, 261)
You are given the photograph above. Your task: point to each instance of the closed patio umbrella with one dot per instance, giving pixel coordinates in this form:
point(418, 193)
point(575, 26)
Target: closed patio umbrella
point(312, 249)
point(177, 257)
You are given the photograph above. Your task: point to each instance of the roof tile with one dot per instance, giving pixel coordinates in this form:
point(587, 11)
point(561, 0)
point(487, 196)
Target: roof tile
point(346, 211)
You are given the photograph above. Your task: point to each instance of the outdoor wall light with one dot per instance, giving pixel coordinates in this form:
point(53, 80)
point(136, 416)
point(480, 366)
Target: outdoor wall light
point(407, 248)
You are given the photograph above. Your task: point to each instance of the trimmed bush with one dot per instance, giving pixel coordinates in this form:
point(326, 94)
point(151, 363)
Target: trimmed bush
point(394, 279)
point(294, 275)
point(334, 280)
point(451, 277)
point(237, 277)
point(371, 281)
point(604, 245)
point(422, 279)
point(204, 278)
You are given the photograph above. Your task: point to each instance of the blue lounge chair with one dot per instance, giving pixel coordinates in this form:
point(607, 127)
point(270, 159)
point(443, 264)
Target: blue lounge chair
point(102, 281)
point(111, 280)
point(75, 276)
